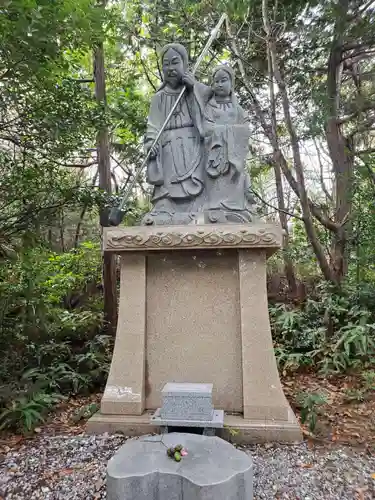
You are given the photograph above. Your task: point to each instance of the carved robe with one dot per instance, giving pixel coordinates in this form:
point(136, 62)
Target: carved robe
point(177, 172)
point(226, 141)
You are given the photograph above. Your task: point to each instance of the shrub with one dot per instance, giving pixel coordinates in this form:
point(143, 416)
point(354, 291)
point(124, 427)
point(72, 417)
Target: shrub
point(25, 412)
point(50, 331)
point(332, 332)
point(309, 403)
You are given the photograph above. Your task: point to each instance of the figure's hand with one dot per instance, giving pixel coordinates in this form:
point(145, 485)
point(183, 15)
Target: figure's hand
point(154, 151)
point(208, 128)
point(189, 80)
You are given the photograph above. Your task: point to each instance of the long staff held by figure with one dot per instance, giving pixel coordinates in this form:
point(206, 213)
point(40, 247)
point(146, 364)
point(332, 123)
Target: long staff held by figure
point(117, 213)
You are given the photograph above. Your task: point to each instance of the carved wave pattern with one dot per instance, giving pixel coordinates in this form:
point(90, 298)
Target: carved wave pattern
point(194, 239)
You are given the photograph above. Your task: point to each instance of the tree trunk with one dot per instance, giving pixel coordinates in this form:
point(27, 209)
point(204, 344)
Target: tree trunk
point(298, 183)
point(109, 260)
point(83, 213)
point(342, 160)
point(340, 149)
point(278, 157)
point(288, 264)
point(62, 228)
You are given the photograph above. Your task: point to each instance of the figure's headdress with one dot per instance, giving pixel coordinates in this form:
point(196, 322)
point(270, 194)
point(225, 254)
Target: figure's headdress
point(228, 69)
point(177, 47)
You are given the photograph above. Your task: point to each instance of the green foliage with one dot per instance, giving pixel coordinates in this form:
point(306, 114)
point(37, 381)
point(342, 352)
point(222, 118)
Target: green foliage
point(40, 293)
point(50, 331)
point(85, 412)
point(362, 254)
point(309, 403)
point(368, 378)
point(47, 119)
point(356, 395)
point(25, 412)
point(50, 302)
point(333, 332)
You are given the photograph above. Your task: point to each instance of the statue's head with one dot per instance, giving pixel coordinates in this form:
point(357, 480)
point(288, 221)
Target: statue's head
point(223, 81)
point(174, 59)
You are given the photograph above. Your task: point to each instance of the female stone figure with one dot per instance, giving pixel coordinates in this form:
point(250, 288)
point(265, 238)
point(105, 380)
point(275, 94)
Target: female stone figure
point(176, 166)
point(226, 141)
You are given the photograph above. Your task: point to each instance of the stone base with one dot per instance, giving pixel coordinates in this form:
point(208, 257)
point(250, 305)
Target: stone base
point(193, 308)
point(211, 470)
point(247, 431)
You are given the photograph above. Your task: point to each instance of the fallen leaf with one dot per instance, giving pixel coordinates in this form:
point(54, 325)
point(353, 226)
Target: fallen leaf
point(373, 475)
point(99, 484)
point(361, 493)
point(310, 444)
point(14, 440)
point(306, 466)
point(66, 472)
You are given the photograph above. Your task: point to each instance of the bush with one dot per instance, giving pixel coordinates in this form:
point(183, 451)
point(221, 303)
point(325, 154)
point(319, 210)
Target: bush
point(50, 331)
point(309, 403)
point(25, 412)
point(332, 332)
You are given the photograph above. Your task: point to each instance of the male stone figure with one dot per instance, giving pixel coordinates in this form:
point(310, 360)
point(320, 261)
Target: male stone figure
point(176, 166)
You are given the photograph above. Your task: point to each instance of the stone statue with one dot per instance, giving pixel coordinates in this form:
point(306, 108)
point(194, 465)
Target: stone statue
point(227, 134)
point(197, 168)
point(176, 166)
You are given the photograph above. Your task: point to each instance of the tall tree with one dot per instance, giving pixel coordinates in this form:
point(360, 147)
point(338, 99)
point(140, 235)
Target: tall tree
point(309, 63)
point(105, 184)
point(46, 116)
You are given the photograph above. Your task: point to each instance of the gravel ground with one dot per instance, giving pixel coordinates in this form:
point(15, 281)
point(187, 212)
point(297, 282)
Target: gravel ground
point(73, 468)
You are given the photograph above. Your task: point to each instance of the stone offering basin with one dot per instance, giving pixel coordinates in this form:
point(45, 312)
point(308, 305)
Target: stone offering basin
point(213, 470)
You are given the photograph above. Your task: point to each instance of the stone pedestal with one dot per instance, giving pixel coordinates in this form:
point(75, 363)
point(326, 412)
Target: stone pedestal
point(193, 308)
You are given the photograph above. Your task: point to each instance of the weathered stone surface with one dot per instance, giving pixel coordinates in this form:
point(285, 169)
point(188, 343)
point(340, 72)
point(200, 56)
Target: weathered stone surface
point(212, 470)
point(218, 236)
point(185, 401)
point(247, 431)
point(197, 165)
point(193, 307)
point(216, 421)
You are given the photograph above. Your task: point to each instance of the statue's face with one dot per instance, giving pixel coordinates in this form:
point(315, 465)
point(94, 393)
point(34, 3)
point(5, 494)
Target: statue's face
point(173, 68)
point(222, 84)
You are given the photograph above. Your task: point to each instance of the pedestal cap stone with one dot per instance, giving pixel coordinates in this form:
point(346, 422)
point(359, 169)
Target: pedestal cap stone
point(212, 470)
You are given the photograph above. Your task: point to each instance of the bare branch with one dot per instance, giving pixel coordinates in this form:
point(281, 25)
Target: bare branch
point(147, 73)
point(357, 56)
point(128, 172)
point(267, 129)
point(82, 80)
point(360, 11)
point(365, 152)
point(361, 109)
point(277, 209)
point(8, 71)
point(82, 165)
point(301, 187)
point(365, 126)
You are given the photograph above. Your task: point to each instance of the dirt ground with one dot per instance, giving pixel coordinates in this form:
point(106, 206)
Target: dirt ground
point(339, 421)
